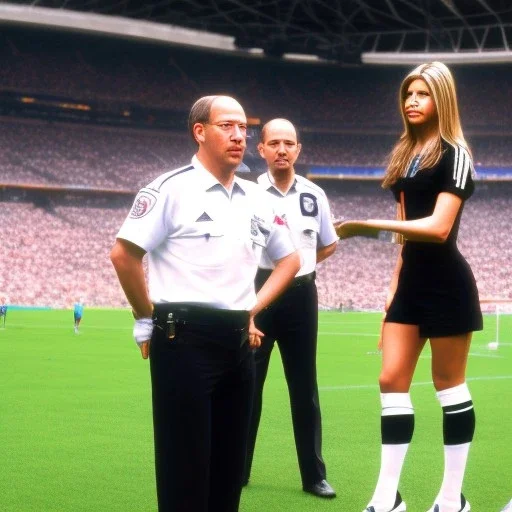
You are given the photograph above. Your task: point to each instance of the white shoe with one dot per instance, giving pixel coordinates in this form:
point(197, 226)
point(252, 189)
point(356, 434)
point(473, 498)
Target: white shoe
point(464, 506)
point(508, 507)
point(399, 506)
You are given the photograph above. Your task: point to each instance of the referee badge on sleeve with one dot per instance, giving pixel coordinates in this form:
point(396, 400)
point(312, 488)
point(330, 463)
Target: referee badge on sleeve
point(259, 231)
point(142, 205)
point(254, 227)
point(308, 205)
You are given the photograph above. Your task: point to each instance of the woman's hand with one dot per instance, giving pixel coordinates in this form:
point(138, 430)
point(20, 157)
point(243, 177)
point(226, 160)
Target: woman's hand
point(352, 228)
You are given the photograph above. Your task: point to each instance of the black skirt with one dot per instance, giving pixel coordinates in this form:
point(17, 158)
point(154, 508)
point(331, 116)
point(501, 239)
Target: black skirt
point(436, 291)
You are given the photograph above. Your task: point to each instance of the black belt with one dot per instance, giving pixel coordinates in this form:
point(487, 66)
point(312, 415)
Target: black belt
point(263, 274)
point(225, 319)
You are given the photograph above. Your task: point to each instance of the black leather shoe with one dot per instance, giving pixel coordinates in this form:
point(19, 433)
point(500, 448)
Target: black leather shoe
point(321, 489)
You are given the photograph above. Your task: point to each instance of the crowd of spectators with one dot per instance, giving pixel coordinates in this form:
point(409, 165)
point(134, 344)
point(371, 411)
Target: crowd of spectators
point(77, 155)
point(324, 96)
point(372, 149)
point(54, 254)
point(360, 270)
point(43, 153)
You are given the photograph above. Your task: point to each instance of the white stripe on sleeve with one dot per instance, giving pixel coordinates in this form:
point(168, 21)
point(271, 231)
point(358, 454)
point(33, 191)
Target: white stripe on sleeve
point(466, 172)
point(456, 162)
point(462, 167)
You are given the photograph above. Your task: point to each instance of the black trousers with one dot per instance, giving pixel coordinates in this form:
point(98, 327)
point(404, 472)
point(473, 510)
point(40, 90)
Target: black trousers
point(202, 382)
point(292, 321)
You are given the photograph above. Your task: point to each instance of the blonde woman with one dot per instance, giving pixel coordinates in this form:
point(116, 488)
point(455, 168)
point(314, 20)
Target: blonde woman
point(433, 295)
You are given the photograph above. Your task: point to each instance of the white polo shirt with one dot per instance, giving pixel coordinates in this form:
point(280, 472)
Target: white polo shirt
point(204, 243)
point(306, 210)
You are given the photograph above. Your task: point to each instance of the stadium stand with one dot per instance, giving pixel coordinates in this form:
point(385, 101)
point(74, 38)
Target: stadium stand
point(324, 96)
point(59, 254)
point(50, 153)
point(55, 247)
point(372, 149)
point(58, 251)
point(360, 270)
point(39, 152)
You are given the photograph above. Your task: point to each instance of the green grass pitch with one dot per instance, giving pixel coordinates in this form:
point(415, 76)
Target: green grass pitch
point(76, 431)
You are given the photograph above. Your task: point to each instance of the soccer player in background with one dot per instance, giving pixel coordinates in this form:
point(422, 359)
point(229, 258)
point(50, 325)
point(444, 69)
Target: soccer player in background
point(78, 310)
point(433, 294)
point(3, 311)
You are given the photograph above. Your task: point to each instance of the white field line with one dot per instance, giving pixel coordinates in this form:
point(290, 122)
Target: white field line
point(490, 355)
point(375, 334)
point(350, 387)
point(84, 327)
point(344, 322)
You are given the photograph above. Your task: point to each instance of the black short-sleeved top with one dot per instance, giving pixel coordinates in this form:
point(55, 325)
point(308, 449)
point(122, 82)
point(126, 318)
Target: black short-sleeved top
point(436, 288)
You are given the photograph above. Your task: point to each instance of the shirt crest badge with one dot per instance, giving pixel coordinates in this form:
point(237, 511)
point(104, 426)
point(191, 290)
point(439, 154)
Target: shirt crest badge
point(308, 205)
point(254, 227)
point(142, 205)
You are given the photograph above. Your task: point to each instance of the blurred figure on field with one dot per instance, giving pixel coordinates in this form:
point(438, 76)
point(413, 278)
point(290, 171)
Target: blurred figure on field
point(3, 311)
point(78, 310)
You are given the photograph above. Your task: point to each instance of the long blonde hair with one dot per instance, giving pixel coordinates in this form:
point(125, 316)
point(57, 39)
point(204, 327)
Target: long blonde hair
point(442, 87)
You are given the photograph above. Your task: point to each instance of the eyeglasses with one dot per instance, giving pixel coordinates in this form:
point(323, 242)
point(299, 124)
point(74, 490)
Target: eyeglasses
point(228, 126)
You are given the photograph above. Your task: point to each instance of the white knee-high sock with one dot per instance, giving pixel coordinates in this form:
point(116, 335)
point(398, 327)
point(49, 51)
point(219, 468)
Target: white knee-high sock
point(397, 427)
point(458, 429)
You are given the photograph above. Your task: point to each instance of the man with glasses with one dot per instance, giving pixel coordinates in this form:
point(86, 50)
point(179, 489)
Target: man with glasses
point(204, 230)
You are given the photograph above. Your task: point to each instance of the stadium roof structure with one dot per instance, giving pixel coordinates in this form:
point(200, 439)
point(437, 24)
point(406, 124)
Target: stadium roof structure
point(343, 31)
